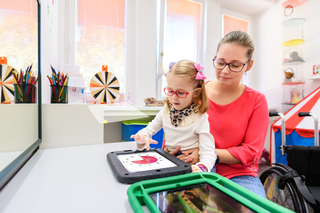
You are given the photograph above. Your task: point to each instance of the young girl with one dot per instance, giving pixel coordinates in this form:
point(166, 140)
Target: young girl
point(183, 118)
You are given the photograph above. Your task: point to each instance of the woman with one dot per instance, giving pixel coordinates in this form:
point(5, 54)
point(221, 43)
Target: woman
point(238, 115)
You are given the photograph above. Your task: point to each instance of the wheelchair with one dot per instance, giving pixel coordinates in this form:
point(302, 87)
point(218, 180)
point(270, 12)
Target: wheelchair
point(296, 186)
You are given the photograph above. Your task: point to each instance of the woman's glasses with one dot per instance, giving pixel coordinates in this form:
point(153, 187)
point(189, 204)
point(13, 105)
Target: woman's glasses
point(179, 93)
point(234, 66)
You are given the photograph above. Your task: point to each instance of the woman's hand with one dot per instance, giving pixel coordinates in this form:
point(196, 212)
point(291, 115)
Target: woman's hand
point(190, 156)
point(173, 152)
point(143, 141)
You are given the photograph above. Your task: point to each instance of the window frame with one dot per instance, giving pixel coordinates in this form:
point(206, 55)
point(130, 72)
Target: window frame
point(67, 49)
point(200, 52)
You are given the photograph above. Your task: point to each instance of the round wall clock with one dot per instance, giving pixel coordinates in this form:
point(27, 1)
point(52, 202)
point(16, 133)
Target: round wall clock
point(104, 87)
point(6, 83)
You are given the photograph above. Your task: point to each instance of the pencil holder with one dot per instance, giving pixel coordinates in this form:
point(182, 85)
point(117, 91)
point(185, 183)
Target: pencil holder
point(59, 94)
point(25, 93)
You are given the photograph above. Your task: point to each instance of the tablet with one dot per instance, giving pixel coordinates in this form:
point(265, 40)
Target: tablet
point(131, 166)
point(197, 192)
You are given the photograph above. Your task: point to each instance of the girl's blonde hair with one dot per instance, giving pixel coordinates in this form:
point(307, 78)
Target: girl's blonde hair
point(186, 68)
point(240, 38)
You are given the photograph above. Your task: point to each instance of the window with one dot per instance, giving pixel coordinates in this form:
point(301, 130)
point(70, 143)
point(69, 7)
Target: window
point(231, 24)
point(181, 32)
point(19, 33)
point(100, 39)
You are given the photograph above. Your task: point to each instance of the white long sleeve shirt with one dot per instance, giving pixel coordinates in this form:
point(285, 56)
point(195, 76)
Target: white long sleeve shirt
point(193, 132)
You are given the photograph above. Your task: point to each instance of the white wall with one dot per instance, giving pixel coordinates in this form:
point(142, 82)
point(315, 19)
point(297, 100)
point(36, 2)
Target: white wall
point(267, 73)
point(311, 47)
point(213, 34)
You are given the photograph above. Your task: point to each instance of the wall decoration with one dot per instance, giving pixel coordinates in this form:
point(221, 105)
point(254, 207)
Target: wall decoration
point(316, 70)
point(293, 83)
point(293, 42)
point(288, 73)
point(104, 86)
point(293, 3)
point(6, 84)
point(293, 22)
point(292, 58)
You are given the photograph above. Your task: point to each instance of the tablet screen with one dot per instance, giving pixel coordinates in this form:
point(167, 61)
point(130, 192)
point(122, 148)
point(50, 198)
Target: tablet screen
point(144, 161)
point(197, 198)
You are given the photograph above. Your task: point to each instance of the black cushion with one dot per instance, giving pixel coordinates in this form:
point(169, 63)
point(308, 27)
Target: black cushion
point(306, 161)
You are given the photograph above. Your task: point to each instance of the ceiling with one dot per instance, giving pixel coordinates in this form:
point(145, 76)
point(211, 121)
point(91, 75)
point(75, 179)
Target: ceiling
point(249, 7)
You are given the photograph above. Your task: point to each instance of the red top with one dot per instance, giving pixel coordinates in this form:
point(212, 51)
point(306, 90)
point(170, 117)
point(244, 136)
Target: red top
point(241, 128)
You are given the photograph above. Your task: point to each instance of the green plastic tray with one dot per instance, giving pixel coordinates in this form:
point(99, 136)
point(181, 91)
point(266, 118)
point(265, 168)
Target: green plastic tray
point(139, 193)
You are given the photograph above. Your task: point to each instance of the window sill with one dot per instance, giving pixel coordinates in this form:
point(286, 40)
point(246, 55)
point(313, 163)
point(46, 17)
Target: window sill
point(122, 111)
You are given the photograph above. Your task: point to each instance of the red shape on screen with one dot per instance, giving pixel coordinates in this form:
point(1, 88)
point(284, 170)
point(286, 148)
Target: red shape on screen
point(146, 160)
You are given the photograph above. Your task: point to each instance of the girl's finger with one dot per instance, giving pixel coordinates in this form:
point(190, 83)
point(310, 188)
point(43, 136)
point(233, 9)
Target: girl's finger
point(147, 140)
point(153, 141)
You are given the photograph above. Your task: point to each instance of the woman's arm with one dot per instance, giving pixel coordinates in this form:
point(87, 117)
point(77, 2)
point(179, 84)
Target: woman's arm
point(249, 151)
point(226, 157)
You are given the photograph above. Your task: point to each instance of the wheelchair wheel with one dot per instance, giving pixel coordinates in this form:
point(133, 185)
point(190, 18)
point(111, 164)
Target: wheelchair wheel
point(285, 197)
point(304, 205)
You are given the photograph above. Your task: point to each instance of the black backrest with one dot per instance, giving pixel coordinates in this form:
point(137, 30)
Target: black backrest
point(306, 161)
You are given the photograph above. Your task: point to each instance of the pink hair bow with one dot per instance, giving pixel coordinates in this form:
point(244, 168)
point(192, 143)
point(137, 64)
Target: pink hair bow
point(198, 67)
point(200, 75)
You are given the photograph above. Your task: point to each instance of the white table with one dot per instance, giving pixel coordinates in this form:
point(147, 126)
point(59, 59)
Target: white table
point(69, 179)
point(7, 157)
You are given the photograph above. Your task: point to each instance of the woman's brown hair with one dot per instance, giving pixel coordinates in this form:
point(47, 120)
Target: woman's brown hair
point(241, 38)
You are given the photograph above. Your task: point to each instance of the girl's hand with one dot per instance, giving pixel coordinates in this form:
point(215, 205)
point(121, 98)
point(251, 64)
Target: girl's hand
point(190, 156)
point(143, 141)
point(196, 168)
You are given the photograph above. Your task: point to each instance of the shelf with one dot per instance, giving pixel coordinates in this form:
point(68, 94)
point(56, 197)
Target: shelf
point(288, 104)
point(313, 78)
point(294, 42)
point(293, 63)
point(293, 83)
point(293, 22)
point(128, 112)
